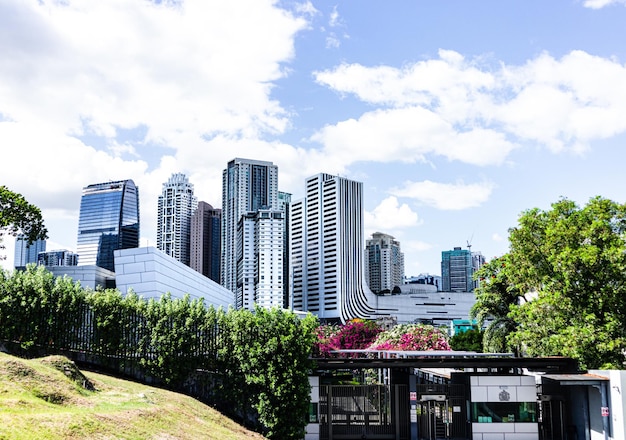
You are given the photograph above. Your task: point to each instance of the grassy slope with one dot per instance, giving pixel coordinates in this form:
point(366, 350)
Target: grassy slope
point(45, 399)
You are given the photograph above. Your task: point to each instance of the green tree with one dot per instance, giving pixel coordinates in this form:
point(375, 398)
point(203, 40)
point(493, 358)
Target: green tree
point(494, 298)
point(17, 215)
point(469, 340)
point(567, 268)
point(265, 357)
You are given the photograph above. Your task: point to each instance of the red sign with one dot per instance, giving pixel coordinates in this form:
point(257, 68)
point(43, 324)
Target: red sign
point(413, 395)
point(605, 411)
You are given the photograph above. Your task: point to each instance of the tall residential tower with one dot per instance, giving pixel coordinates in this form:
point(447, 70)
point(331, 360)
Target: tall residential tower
point(384, 263)
point(176, 206)
point(251, 241)
point(109, 220)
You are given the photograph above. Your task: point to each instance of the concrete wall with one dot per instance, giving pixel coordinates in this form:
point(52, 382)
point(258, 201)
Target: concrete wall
point(516, 389)
point(89, 276)
point(150, 273)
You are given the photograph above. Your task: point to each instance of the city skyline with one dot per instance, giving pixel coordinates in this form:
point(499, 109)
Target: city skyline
point(456, 116)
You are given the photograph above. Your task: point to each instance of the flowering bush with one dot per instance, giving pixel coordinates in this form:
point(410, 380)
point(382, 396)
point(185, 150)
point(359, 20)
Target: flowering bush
point(325, 333)
point(361, 334)
point(355, 334)
point(411, 337)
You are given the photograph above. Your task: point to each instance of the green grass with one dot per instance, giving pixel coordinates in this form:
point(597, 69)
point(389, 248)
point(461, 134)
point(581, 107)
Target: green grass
point(50, 398)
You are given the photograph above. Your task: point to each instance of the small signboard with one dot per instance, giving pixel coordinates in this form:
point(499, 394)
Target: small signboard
point(605, 411)
point(413, 395)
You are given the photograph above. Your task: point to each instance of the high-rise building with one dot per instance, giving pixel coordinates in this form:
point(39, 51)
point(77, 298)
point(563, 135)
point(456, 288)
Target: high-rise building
point(26, 253)
point(177, 204)
point(260, 259)
point(384, 263)
point(457, 270)
point(477, 261)
point(284, 202)
point(109, 220)
point(327, 240)
point(205, 241)
point(248, 187)
point(57, 258)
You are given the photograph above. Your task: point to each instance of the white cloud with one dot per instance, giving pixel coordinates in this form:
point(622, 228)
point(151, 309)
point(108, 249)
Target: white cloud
point(446, 196)
point(476, 113)
point(598, 4)
point(497, 237)
point(334, 20)
point(410, 134)
point(390, 215)
point(85, 70)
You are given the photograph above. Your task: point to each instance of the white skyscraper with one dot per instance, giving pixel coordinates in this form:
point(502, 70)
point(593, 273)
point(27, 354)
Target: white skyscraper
point(260, 261)
point(384, 263)
point(252, 241)
point(327, 242)
point(177, 204)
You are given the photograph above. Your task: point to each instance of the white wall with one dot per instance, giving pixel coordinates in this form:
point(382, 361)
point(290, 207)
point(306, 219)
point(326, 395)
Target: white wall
point(150, 274)
point(489, 389)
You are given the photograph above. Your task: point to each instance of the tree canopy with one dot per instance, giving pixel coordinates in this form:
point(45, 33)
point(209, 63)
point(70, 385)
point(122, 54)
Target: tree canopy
point(17, 215)
point(561, 288)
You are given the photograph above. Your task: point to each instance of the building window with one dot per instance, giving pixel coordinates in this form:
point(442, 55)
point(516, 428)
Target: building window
point(504, 412)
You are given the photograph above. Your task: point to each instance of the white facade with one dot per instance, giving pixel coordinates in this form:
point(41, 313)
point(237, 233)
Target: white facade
point(260, 261)
point(423, 303)
point(248, 187)
point(150, 274)
point(90, 277)
point(177, 204)
point(327, 250)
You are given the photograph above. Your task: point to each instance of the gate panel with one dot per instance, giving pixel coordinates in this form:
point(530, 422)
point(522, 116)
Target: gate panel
point(364, 411)
point(442, 412)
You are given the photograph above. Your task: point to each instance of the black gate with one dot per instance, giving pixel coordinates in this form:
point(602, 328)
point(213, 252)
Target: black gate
point(442, 412)
point(364, 411)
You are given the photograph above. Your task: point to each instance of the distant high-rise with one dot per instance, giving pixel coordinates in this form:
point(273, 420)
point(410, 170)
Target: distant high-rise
point(205, 241)
point(477, 261)
point(248, 187)
point(109, 220)
point(284, 202)
point(57, 258)
point(384, 263)
point(327, 241)
point(26, 253)
point(177, 204)
point(457, 270)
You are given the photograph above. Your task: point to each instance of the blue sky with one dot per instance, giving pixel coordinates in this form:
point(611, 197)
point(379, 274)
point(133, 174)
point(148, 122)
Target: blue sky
point(456, 115)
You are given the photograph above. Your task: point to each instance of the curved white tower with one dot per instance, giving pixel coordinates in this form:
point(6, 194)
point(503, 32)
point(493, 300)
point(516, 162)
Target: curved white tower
point(327, 239)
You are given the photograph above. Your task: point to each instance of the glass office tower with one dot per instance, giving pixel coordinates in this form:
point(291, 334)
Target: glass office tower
point(109, 220)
